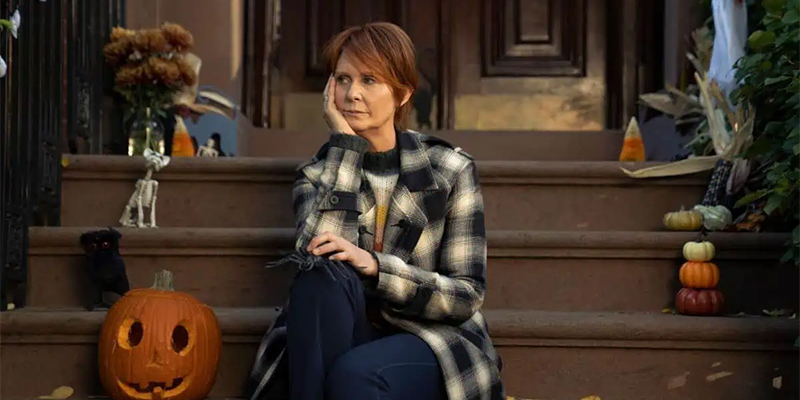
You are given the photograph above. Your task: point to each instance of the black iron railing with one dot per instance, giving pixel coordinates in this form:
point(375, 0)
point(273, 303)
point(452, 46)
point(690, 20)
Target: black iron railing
point(54, 91)
point(94, 123)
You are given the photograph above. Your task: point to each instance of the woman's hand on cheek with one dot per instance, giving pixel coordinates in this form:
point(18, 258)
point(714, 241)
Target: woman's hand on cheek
point(333, 117)
point(342, 250)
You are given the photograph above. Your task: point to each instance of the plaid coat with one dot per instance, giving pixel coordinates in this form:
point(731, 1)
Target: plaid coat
point(432, 270)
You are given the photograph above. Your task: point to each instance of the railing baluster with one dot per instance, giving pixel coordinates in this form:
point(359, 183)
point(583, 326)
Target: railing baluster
point(55, 89)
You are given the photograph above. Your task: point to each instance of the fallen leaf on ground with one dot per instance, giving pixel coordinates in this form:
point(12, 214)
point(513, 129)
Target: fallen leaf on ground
point(59, 393)
point(782, 312)
point(718, 375)
point(592, 398)
point(777, 382)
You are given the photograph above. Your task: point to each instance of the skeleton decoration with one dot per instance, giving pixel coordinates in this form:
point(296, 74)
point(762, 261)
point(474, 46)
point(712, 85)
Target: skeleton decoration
point(208, 150)
point(144, 196)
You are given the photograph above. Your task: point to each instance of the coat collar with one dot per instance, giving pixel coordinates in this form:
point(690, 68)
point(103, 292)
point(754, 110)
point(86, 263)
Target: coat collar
point(416, 172)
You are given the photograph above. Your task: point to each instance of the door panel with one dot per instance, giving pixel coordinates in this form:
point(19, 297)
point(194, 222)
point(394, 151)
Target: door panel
point(529, 65)
point(308, 25)
point(484, 64)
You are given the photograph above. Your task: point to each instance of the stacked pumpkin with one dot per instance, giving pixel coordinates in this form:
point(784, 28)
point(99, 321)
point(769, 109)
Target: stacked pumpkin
point(699, 277)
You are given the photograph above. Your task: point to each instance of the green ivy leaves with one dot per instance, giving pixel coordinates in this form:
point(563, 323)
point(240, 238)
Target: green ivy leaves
point(769, 76)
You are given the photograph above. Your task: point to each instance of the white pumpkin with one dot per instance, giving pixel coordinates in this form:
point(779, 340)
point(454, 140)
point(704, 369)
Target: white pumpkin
point(699, 251)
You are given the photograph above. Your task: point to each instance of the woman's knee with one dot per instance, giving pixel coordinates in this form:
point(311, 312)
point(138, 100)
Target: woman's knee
point(351, 377)
point(318, 280)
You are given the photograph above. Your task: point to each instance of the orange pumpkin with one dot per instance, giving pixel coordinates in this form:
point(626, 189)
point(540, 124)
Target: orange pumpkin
point(699, 302)
point(157, 343)
point(699, 275)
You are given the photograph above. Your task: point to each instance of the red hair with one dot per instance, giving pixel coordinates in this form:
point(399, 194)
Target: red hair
point(387, 51)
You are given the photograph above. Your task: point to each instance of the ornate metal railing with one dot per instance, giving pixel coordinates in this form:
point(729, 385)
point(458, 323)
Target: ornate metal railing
point(94, 123)
point(53, 92)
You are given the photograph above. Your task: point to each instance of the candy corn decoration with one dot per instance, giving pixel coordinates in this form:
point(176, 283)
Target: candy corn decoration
point(632, 144)
point(181, 141)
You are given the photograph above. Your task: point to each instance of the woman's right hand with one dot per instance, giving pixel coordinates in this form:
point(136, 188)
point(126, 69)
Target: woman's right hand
point(333, 117)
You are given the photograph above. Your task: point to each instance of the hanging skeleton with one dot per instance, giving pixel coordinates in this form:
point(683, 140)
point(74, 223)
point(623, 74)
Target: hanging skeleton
point(144, 196)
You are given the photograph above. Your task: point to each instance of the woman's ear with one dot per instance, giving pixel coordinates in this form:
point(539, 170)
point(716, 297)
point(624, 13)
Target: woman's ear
point(406, 96)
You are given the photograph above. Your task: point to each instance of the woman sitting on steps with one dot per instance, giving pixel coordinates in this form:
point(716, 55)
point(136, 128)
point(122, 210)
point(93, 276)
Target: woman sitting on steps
point(396, 313)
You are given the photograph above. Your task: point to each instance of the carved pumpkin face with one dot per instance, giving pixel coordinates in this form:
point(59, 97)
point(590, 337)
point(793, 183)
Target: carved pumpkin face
point(159, 344)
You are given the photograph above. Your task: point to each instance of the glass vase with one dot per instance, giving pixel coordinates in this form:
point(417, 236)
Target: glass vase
point(145, 130)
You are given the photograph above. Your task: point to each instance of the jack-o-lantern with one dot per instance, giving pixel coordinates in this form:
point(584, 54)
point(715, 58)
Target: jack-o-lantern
point(157, 343)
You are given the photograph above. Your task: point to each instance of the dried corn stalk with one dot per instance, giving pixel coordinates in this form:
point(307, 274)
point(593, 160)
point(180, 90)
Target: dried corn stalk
point(727, 144)
point(685, 107)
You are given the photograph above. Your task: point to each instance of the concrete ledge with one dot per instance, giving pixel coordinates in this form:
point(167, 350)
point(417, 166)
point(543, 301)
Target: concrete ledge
point(544, 270)
point(502, 243)
point(546, 355)
point(32, 325)
point(482, 144)
point(82, 167)
point(257, 192)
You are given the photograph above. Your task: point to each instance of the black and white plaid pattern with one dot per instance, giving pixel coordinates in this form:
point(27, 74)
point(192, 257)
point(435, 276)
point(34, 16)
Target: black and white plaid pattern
point(432, 270)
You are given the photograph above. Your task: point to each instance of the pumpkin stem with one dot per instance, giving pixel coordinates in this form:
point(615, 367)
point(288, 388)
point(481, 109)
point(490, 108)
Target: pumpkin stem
point(163, 281)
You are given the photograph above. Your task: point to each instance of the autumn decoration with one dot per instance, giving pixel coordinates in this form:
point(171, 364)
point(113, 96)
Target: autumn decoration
point(683, 220)
point(151, 64)
point(715, 218)
point(699, 301)
point(182, 145)
point(699, 277)
point(701, 251)
point(632, 143)
point(700, 217)
point(151, 67)
point(158, 343)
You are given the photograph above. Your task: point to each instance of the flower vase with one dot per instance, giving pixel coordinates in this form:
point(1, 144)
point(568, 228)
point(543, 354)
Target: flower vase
point(145, 131)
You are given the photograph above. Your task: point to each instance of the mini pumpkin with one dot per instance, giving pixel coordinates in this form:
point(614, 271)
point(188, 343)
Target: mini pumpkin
point(683, 220)
point(157, 343)
point(699, 301)
point(699, 275)
point(699, 251)
point(715, 218)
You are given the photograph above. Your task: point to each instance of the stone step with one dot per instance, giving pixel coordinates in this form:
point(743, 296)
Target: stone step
point(546, 355)
point(256, 193)
point(564, 271)
point(483, 145)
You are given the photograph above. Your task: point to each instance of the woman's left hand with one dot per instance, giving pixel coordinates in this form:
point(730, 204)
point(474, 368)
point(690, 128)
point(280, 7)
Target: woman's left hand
point(361, 259)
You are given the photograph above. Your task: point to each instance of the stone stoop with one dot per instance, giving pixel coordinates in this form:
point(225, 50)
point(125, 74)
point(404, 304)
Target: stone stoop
point(249, 192)
point(546, 270)
point(580, 270)
point(546, 354)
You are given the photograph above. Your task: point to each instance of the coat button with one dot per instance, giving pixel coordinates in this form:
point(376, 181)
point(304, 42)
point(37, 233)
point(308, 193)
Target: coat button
point(334, 200)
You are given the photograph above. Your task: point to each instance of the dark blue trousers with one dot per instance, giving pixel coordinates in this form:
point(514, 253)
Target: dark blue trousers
point(336, 354)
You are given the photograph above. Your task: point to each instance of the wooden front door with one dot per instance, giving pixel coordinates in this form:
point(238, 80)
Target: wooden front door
point(484, 64)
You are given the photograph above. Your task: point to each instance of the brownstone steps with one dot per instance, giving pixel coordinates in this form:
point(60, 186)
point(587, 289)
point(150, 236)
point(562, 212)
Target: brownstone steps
point(517, 145)
point(546, 354)
point(544, 270)
point(256, 193)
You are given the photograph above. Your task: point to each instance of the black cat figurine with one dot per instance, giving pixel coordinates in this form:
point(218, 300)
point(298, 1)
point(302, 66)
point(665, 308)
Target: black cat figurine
point(106, 268)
